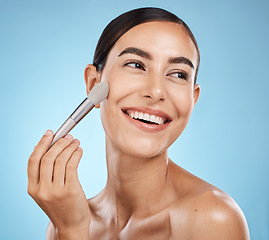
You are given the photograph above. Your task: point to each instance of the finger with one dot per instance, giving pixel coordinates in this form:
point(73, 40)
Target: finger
point(71, 174)
point(33, 167)
point(61, 161)
point(47, 161)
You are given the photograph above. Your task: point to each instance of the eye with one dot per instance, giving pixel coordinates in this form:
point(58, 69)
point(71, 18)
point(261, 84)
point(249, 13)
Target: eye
point(181, 75)
point(135, 64)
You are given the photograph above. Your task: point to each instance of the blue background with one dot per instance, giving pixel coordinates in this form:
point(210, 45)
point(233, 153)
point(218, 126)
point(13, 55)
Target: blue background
point(45, 46)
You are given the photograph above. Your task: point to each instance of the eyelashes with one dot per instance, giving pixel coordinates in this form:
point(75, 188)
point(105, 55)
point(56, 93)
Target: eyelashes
point(175, 74)
point(136, 64)
point(179, 74)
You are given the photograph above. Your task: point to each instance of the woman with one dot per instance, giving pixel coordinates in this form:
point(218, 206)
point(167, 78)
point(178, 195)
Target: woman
point(150, 59)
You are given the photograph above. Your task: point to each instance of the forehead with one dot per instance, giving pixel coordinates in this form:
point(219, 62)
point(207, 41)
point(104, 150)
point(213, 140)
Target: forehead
point(166, 39)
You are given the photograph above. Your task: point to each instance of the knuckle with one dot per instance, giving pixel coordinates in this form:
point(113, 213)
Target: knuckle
point(72, 192)
point(63, 141)
point(59, 194)
point(29, 166)
point(51, 194)
point(43, 141)
point(72, 165)
point(31, 190)
point(47, 158)
point(32, 158)
point(43, 195)
point(61, 159)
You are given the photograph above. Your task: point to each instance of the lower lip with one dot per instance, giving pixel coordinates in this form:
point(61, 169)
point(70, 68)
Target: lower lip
point(146, 127)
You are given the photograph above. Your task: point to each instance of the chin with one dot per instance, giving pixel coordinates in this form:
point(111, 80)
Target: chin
point(144, 154)
point(143, 148)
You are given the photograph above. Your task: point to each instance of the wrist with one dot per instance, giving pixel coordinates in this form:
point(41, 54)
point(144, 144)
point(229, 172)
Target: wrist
point(74, 234)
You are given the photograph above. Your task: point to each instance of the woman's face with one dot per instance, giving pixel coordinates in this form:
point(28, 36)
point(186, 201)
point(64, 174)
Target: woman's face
point(150, 71)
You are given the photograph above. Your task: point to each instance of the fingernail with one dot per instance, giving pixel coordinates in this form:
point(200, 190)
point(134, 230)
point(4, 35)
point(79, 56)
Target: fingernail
point(48, 132)
point(79, 149)
point(75, 141)
point(68, 136)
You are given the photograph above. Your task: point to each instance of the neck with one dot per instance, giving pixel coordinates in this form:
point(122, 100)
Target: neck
point(135, 183)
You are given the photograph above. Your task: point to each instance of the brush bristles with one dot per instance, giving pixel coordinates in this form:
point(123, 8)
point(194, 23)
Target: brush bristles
point(98, 93)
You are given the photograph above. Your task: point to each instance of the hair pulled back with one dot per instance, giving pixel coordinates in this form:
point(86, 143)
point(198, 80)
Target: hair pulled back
point(123, 23)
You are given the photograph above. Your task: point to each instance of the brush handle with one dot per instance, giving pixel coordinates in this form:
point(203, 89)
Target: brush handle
point(81, 111)
point(67, 126)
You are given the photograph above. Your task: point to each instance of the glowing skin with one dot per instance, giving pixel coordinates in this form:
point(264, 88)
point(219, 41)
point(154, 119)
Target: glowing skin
point(156, 86)
point(150, 71)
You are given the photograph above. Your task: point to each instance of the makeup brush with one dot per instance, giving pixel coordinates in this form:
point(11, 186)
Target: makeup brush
point(98, 93)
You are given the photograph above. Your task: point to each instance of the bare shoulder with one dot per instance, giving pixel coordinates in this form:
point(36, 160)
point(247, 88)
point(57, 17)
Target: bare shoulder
point(206, 212)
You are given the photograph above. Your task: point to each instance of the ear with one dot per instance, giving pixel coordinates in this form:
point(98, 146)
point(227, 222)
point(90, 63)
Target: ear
point(91, 77)
point(196, 93)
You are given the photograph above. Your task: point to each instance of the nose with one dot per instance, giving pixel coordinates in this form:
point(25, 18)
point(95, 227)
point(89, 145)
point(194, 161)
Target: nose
point(154, 89)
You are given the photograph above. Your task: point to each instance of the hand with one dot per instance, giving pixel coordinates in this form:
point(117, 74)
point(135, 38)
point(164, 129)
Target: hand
point(53, 183)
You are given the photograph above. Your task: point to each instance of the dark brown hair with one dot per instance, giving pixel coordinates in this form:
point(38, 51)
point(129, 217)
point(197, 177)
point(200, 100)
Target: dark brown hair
point(123, 23)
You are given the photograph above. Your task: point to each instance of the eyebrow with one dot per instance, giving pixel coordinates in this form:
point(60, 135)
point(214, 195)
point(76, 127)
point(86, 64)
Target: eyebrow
point(146, 55)
point(181, 60)
point(136, 51)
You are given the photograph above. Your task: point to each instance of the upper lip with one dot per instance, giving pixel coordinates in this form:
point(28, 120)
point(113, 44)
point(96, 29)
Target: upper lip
point(150, 111)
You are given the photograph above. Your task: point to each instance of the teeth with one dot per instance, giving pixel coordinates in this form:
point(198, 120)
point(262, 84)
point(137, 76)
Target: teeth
point(146, 117)
point(152, 118)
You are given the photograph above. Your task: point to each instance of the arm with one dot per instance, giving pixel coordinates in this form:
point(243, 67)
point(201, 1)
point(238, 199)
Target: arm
point(53, 234)
point(53, 184)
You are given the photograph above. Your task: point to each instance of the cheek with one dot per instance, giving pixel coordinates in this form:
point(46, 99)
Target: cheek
point(183, 101)
point(110, 108)
point(119, 88)
point(120, 83)
point(108, 118)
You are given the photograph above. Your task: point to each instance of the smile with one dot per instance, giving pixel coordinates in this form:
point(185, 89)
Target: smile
point(147, 118)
